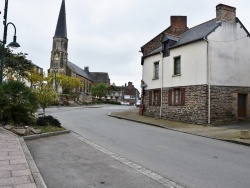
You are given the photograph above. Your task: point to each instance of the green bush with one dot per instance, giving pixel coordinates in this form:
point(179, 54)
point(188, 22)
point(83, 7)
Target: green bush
point(48, 120)
point(41, 121)
point(17, 103)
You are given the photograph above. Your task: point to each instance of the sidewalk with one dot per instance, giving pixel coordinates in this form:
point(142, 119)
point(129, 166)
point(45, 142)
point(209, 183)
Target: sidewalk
point(17, 168)
point(227, 132)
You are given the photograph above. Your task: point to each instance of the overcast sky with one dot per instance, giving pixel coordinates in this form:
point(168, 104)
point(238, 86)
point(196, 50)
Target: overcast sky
point(105, 35)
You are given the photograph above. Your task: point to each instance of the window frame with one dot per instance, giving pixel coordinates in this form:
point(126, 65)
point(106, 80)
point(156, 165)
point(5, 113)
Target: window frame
point(177, 72)
point(155, 97)
point(156, 71)
point(176, 96)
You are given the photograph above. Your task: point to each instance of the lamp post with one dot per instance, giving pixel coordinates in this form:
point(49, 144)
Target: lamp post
point(55, 84)
point(13, 44)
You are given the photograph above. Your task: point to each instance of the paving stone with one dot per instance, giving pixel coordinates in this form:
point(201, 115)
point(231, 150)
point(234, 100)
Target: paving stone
point(5, 174)
point(8, 157)
point(4, 153)
point(15, 180)
point(28, 185)
point(14, 167)
point(25, 172)
point(9, 149)
point(7, 186)
point(13, 146)
point(18, 161)
point(2, 163)
point(16, 153)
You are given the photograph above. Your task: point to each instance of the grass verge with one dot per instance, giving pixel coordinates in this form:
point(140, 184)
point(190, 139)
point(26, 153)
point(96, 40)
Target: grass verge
point(49, 128)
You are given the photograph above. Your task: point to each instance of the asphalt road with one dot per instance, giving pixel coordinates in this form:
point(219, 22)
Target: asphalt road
point(189, 160)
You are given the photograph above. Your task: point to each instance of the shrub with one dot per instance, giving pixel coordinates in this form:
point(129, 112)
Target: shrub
point(41, 121)
point(17, 103)
point(48, 120)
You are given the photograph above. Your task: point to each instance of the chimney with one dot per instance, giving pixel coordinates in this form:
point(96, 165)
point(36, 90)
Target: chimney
point(225, 13)
point(86, 69)
point(179, 22)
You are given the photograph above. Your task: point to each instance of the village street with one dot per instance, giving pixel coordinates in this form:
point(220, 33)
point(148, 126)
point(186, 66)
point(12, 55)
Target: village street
point(185, 159)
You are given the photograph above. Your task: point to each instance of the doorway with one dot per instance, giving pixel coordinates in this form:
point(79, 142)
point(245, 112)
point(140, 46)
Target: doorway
point(242, 105)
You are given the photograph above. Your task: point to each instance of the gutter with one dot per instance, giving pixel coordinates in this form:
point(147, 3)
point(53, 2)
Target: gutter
point(161, 83)
point(208, 84)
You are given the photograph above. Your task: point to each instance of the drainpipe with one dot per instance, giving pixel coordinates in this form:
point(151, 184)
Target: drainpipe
point(161, 83)
point(209, 85)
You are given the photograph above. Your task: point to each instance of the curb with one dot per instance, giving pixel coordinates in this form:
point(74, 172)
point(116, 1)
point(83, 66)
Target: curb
point(33, 168)
point(32, 137)
point(231, 141)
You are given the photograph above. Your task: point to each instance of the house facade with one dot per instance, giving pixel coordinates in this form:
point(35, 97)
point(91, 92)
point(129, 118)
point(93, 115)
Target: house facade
point(128, 93)
point(199, 75)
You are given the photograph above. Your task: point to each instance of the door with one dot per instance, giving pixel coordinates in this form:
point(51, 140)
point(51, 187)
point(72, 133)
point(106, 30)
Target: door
point(242, 103)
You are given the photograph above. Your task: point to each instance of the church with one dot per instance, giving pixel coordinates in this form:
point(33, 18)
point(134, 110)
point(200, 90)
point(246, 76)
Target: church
point(59, 63)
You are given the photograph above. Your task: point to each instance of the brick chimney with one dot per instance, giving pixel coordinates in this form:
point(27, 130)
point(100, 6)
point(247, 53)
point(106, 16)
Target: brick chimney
point(178, 22)
point(86, 69)
point(225, 13)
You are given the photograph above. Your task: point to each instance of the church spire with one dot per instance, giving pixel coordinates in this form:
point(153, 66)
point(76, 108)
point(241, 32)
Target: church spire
point(61, 28)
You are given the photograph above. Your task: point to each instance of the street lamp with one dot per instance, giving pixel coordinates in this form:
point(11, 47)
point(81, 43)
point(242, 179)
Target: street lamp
point(13, 44)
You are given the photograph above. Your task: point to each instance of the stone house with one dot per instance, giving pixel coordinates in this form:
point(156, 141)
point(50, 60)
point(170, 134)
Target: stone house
point(128, 93)
point(200, 74)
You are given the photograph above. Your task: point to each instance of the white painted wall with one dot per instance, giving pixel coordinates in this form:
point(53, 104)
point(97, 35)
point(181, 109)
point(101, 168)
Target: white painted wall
point(230, 61)
point(193, 65)
point(148, 71)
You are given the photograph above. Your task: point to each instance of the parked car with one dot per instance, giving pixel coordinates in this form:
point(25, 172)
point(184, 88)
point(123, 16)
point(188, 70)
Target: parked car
point(138, 103)
point(124, 103)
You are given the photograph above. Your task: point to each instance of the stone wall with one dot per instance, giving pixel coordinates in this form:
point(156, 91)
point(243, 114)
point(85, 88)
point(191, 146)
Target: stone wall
point(194, 110)
point(223, 105)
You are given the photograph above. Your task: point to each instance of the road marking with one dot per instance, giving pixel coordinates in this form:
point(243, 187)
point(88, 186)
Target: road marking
point(154, 176)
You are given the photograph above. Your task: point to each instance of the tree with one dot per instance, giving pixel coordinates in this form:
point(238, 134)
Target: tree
point(46, 96)
point(99, 90)
point(17, 102)
point(16, 65)
point(68, 83)
point(34, 77)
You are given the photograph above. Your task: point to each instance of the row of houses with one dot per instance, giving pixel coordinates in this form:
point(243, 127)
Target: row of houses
point(200, 74)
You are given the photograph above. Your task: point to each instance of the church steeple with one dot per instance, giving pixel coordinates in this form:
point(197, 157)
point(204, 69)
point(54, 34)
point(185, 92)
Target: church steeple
point(59, 53)
point(61, 28)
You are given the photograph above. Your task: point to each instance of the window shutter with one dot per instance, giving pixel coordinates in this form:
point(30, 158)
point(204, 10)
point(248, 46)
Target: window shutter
point(170, 97)
point(182, 96)
point(150, 98)
point(159, 97)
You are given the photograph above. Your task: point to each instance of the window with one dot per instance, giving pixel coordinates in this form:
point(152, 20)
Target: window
point(155, 97)
point(156, 70)
point(58, 45)
point(56, 64)
point(177, 65)
point(176, 97)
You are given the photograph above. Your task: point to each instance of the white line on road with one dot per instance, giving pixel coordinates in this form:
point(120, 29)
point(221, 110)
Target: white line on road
point(154, 176)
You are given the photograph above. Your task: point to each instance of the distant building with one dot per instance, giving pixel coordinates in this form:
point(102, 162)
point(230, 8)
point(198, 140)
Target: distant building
point(59, 62)
point(128, 93)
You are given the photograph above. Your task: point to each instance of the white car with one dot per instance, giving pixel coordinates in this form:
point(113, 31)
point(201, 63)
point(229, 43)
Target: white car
point(138, 103)
point(124, 103)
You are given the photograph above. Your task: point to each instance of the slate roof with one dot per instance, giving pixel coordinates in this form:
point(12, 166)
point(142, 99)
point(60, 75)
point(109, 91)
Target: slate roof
point(61, 27)
point(169, 37)
point(198, 32)
point(100, 77)
point(78, 70)
point(156, 51)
